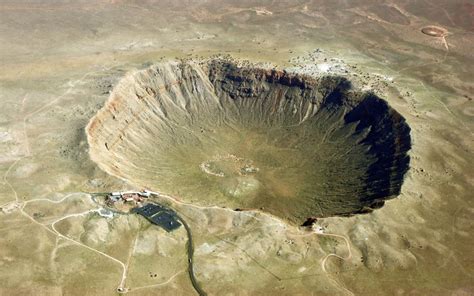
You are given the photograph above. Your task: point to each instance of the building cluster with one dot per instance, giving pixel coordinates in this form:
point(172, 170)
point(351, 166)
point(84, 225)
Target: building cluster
point(132, 197)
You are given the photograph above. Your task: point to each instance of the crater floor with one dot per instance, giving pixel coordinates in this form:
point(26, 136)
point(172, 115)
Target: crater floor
point(216, 134)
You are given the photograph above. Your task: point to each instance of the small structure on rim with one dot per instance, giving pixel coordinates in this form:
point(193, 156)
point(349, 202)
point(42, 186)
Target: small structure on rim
point(309, 222)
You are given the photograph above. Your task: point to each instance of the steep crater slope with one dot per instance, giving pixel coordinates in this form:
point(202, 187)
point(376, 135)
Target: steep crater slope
point(217, 134)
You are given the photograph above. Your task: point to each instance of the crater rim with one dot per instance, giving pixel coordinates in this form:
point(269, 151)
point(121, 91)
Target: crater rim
point(300, 81)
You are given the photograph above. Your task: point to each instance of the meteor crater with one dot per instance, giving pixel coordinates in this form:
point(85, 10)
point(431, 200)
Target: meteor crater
point(217, 134)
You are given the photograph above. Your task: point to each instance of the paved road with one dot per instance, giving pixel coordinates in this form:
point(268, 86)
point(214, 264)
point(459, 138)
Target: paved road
point(190, 247)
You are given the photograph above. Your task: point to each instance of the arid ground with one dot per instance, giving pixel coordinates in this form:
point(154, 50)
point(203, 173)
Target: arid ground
point(61, 60)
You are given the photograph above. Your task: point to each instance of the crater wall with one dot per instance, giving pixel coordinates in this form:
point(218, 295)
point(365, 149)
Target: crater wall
point(216, 134)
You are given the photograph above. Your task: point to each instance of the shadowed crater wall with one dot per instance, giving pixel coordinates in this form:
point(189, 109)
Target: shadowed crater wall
point(217, 134)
